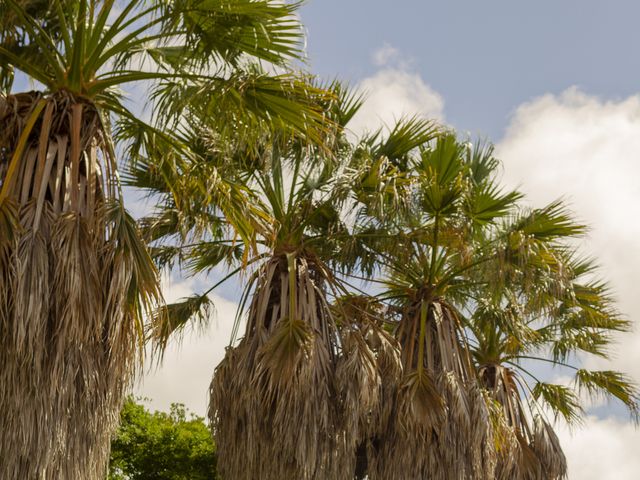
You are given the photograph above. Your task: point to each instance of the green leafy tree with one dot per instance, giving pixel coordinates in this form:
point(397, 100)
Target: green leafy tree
point(161, 446)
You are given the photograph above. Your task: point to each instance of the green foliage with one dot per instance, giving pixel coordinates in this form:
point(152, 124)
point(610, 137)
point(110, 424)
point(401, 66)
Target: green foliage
point(161, 446)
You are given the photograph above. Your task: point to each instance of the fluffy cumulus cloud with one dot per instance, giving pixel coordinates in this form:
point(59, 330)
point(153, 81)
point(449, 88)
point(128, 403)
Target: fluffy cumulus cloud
point(602, 449)
point(393, 92)
point(587, 150)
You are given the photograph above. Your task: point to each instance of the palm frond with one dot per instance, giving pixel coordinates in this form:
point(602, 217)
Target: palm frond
point(609, 383)
point(406, 135)
point(560, 399)
point(171, 320)
point(229, 30)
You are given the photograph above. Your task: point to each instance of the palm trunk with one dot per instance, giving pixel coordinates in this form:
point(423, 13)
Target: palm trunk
point(272, 409)
point(295, 397)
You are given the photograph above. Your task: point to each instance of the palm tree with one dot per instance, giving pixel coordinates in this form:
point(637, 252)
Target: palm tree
point(68, 357)
point(479, 289)
point(312, 365)
point(440, 423)
point(284, 366)
point(551, 317)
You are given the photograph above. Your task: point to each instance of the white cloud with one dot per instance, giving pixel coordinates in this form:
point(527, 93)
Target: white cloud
point(603, 449)
point(384, 55)
point(587, 150)
point(393, 92)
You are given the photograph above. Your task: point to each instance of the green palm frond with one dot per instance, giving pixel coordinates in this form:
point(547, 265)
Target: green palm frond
point(609, 383)
point(441, 170)
point(171, 320)
point(551, 222)
point(406, 135)
point(482, 162)
point(231, 29)
point(561, 399)
point(207, 255)
point(246, 105)
point(347, 102)
point(572, 340)
point(487, 203)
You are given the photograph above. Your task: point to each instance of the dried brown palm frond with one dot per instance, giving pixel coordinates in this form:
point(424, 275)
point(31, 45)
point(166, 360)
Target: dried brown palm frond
point(527, 449)
point(367, 373)
point(273, 406)
point(441, 427)
point(75, 280)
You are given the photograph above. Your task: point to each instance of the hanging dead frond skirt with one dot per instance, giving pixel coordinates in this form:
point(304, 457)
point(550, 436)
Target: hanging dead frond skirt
point(71, 271)
point(288, 401)
point(367, 374)
point(527, 448)
point(272, 407)
point(439, 428)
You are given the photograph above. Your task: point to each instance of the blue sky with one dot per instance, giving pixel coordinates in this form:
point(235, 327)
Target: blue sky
point(484, 57)
point(555, 84)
